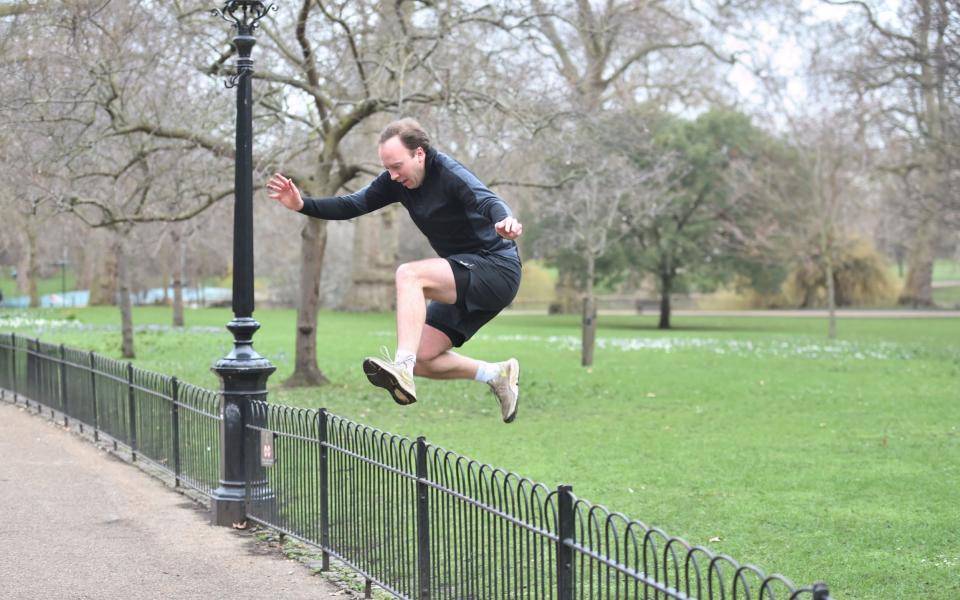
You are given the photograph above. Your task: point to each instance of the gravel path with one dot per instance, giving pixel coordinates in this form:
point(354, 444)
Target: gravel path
point(79, 524)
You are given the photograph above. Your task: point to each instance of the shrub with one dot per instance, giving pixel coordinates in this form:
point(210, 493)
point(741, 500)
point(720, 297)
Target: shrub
point(861, 275)
point(537, 287)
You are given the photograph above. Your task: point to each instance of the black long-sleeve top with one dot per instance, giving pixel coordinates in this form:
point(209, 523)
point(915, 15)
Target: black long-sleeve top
point(452, 207)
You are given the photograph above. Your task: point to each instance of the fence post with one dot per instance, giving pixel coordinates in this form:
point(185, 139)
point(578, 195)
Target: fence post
point(423, 520)
point(13, 364)
point(33, 373)
point(64, 403)
point(324, 489)
point(132, 412)
point(93, 398)
point(175, 428)
point(821, 591)
point(566, 525)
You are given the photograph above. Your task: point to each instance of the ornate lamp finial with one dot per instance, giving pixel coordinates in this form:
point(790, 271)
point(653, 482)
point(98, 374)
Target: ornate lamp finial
point(245, 15)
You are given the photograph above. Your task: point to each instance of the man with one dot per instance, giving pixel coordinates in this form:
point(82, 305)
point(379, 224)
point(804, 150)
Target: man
point(477, 276)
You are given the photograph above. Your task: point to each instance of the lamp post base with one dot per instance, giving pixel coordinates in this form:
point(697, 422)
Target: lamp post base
point(228, 504)
point(244, 376)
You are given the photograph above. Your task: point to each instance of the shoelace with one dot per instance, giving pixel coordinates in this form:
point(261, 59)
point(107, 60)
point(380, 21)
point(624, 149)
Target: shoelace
point(390, 358)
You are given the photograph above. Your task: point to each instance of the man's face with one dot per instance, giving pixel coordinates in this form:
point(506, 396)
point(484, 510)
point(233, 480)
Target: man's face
point(406, 167)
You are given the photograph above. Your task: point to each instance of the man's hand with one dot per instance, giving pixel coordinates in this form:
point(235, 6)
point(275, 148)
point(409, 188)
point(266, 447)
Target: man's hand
point(509, 228)
point(285, 192)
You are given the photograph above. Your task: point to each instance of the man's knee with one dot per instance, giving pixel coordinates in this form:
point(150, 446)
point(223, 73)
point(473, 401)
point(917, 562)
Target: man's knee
point(424, 366)
point(427, 355)
point(407, 275)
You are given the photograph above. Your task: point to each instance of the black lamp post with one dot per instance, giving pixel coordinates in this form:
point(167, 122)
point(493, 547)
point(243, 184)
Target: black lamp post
point(243, 372)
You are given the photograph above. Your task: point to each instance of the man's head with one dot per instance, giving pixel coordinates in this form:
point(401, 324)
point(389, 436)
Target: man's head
point(403, 152)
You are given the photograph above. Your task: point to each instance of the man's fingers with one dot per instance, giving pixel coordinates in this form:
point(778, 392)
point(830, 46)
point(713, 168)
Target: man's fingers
point(509, 228)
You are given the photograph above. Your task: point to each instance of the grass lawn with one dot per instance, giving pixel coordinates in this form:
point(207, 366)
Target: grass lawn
point(48, 285)
point(757, 437)
point(946, 269)
point(948, 297)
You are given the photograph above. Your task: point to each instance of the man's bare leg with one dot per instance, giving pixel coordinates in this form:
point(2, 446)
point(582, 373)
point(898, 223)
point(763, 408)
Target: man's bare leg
point(417, 282)
point(426, 351)
point(436, 360)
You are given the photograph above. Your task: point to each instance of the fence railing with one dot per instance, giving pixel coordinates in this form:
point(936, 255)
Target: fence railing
point(172, 425)
point(415, 519)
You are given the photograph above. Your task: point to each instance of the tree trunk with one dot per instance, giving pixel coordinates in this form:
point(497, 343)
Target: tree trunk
point(179, 269)
point(826, 251)
point(666, 287)
point(103, 286)
point(21, 8)
point(32, 271)
point(165, 284)
point(375, 246)
point(831, 296)
point(566, 293)
point(918, 288)
point(305, 371)
point(589, 329)
point(126, 310)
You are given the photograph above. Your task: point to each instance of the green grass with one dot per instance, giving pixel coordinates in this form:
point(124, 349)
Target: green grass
point(947, 297)
point(946, 269)
point(835, 461)
point(48, 285)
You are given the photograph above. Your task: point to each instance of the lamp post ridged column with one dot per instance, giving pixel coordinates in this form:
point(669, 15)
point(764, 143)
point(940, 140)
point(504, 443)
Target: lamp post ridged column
point(243, 372)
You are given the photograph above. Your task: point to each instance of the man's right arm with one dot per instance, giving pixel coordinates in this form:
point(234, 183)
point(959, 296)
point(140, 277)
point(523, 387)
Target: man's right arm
point(338, 208)
point(334, 208)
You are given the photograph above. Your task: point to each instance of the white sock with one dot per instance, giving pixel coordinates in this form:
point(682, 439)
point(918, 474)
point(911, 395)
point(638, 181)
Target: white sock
point(487, 372)
point(408, 359)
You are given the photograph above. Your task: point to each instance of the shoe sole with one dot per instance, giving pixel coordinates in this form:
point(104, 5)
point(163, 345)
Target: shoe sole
point(516, 403)
point(384, 379)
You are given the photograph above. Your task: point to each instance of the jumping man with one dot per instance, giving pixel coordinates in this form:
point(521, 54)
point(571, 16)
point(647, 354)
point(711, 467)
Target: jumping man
point(477, 276)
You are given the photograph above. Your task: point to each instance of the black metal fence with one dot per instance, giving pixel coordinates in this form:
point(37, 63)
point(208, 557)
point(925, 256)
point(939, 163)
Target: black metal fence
point(416, 520)
point(171, 425)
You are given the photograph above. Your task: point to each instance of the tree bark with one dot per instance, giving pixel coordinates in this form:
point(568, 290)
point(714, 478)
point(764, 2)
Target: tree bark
point(126, 310)
point(29, 275)
point(313, 242)
point(918, 288)
point(589, 329)
point(103, 285)
point(831, 296)
point(180, 252)
point(21, 8)
point(375, 246)
point(566, 292)
point(666, 288)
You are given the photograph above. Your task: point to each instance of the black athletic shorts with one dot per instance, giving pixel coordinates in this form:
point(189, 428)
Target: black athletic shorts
point(486, 284)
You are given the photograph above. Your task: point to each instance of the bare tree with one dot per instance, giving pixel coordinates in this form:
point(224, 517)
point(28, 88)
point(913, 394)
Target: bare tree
point(613, 170)
point(90, 93)
point(813, 184)
point(616, 54)
point(330, 69)
point(20, 7)
point(907, 70)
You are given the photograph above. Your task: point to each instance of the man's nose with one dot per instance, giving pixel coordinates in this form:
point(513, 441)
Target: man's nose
point(394, 175)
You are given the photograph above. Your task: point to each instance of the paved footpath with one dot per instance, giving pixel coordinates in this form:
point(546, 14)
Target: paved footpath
point(77, 523)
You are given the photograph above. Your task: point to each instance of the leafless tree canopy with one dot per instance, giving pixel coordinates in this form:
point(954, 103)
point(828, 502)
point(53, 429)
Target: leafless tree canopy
point(114, 120)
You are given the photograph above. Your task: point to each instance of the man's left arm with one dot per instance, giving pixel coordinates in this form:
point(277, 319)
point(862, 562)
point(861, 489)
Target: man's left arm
point(496, 210)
